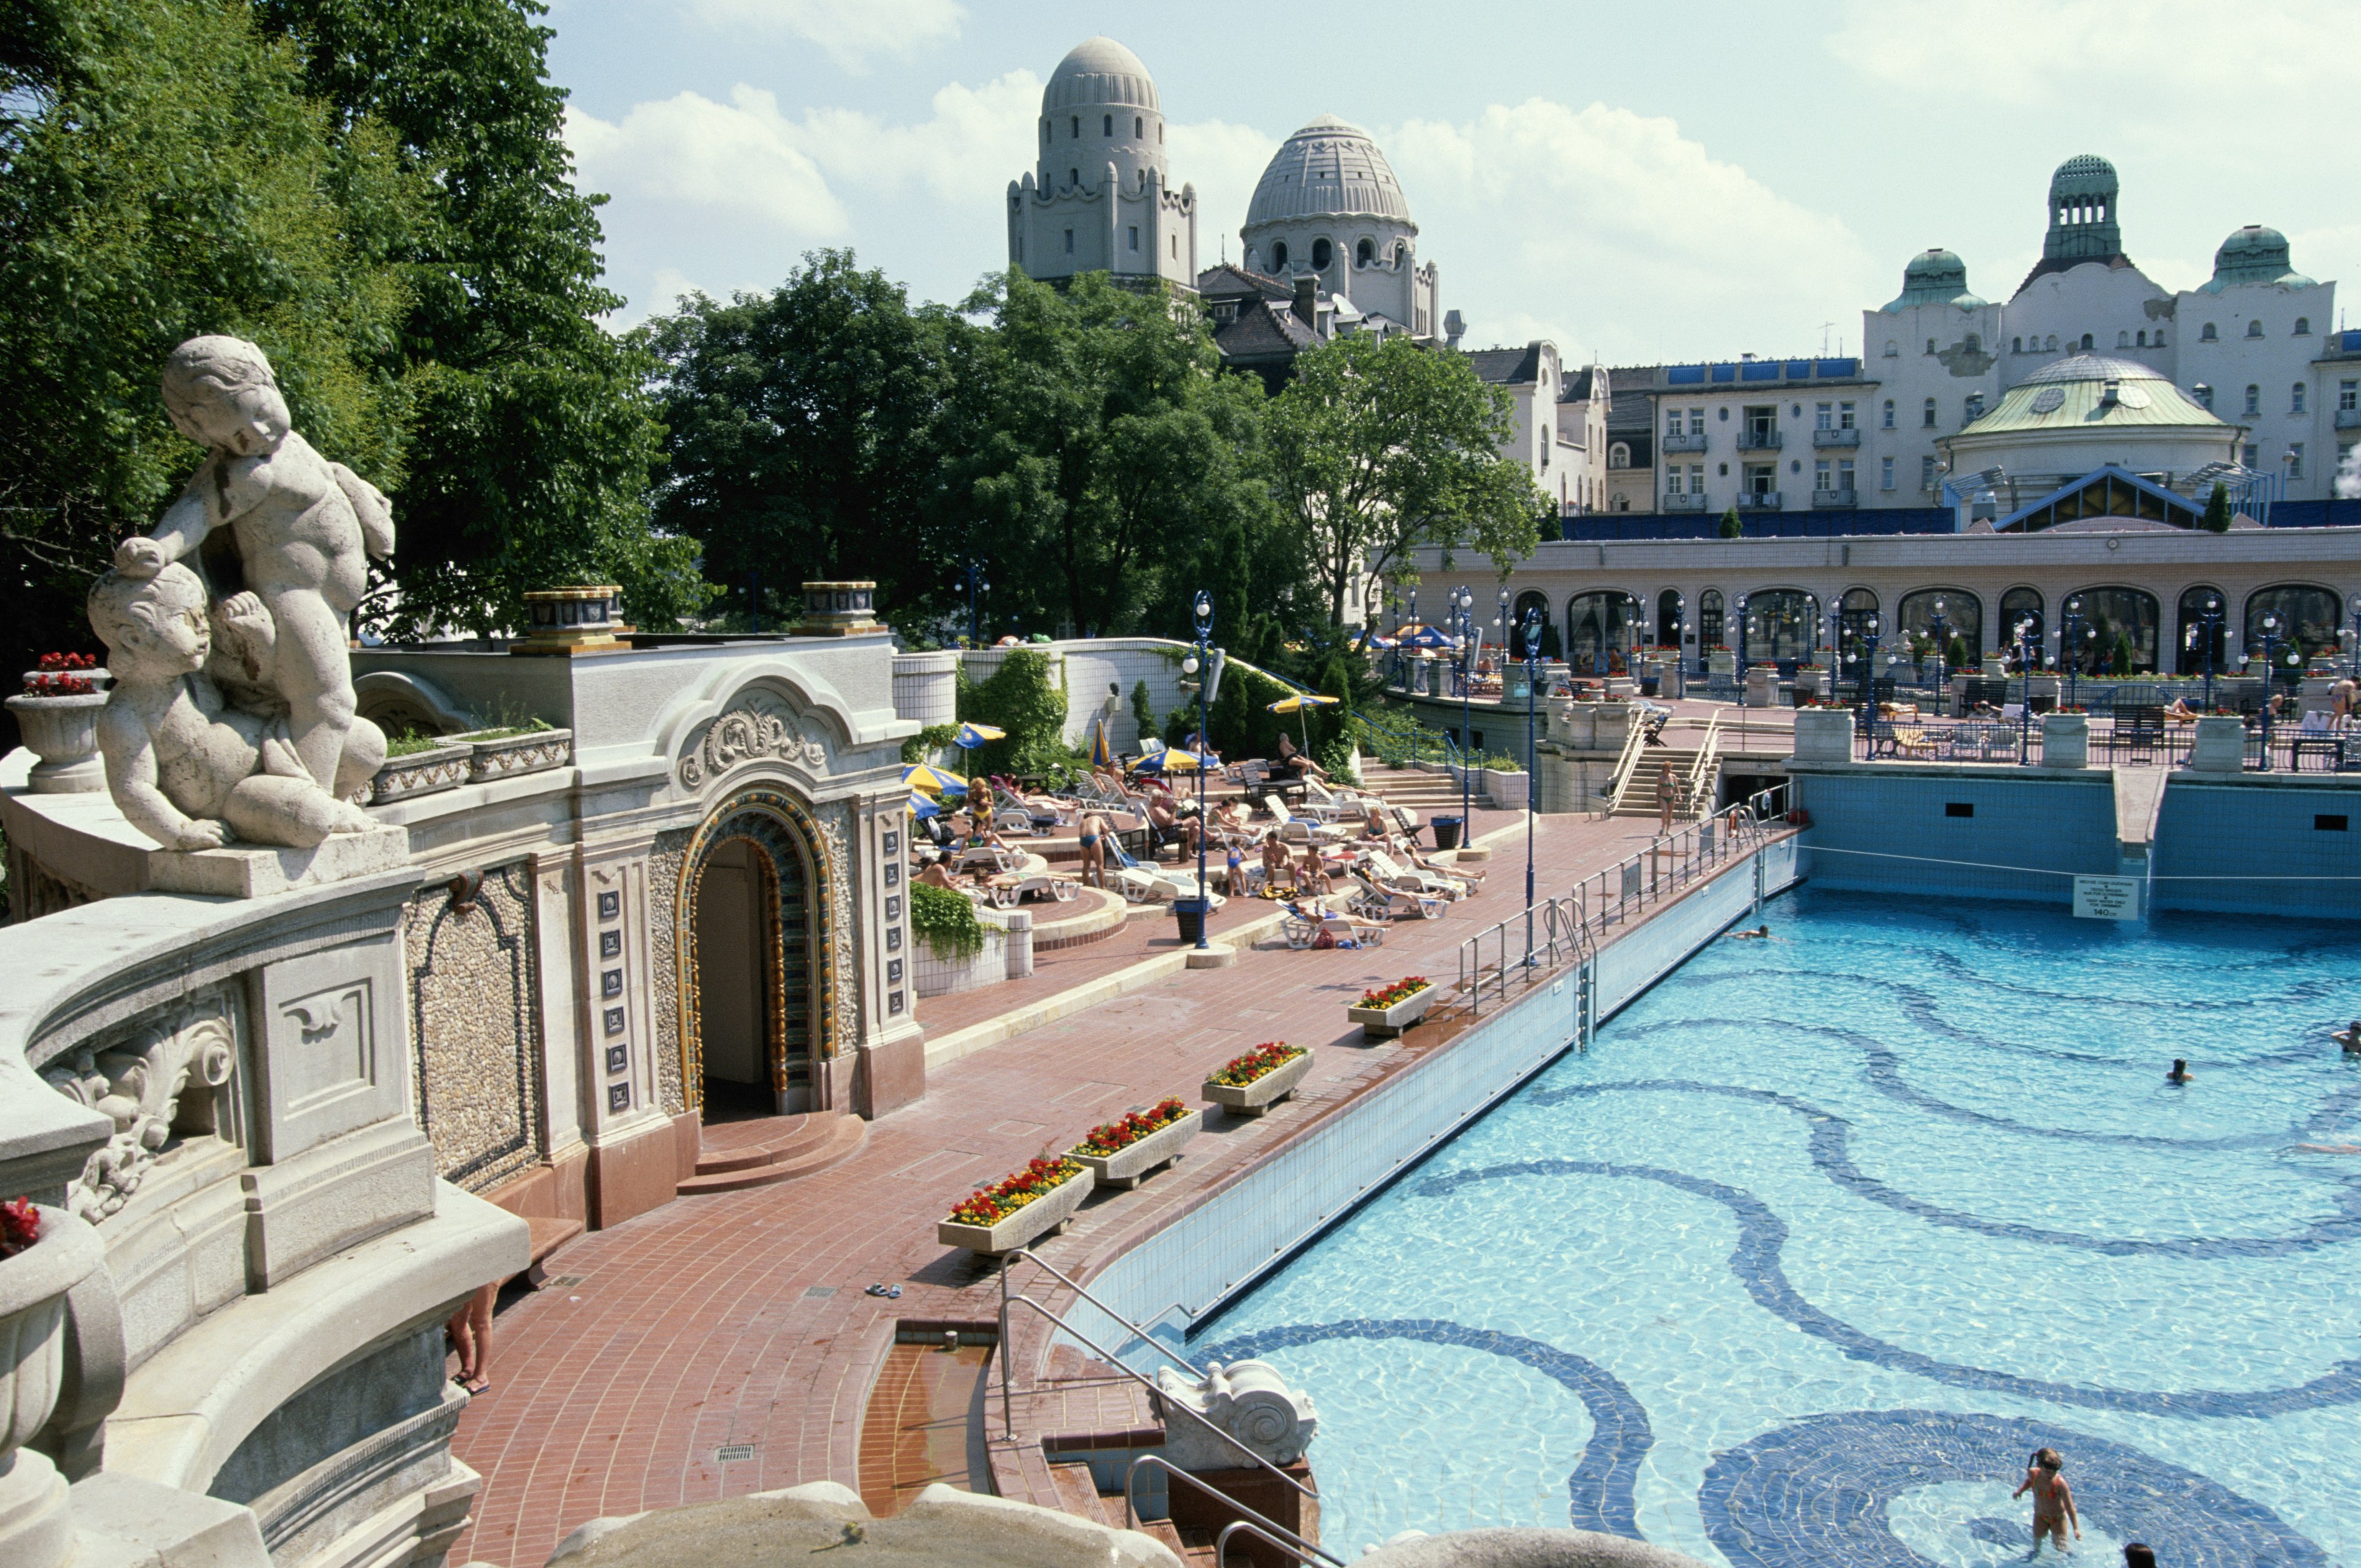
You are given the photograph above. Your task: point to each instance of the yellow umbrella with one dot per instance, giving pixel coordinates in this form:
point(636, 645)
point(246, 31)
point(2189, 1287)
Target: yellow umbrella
point(933, 780)
point(1301, 701)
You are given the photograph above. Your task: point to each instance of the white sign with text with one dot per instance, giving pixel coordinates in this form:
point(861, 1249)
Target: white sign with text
point(2107, 897)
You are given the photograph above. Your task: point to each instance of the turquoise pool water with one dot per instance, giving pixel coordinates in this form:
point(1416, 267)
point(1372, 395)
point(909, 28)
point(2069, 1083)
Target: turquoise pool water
point(1826, 1234)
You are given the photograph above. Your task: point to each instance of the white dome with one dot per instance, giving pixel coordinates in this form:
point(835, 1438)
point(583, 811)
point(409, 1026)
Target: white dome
point(1099, 71)
point(1327, 168)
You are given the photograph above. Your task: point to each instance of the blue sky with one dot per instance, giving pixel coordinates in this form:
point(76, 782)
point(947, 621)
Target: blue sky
point(1634, 182)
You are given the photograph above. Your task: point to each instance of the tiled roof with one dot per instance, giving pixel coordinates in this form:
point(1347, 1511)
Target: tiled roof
point(1508, 367)
point(1262, 331)
point(1578, 386)
point(1229, 281)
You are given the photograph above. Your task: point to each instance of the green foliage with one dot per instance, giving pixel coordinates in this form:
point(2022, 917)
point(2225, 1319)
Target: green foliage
point(163, 175)
point(803, 427)
point(534, 437)
point(945, 921)
point(1381, 446)
point(1501, 762)
point(1143, 712)
point(927, 742)
point(1731, 526)
point(2122, 659)
point(2217, 510)
point(1021, 698)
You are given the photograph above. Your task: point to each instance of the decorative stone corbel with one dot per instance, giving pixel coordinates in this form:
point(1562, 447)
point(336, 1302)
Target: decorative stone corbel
point(1247, 1400)
point(137, 1083)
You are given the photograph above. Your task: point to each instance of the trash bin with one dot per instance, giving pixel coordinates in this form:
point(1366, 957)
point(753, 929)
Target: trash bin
point(1191, 914)
point(1651, 685)
point(1446, 831)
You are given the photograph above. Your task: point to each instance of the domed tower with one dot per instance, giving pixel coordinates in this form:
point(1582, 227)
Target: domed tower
point(2255, 254)
point(1328, 205)
point(1099, 198)
point(1935, 276)
point(2082, 224)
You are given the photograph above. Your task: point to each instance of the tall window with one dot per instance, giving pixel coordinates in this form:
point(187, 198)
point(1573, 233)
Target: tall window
point(1886, 418)
point(2088, 343)
point(1974, 407)
point(1844, 416)
point(2204, 393)
point(1844, 474)
point(2254, 327)
point(2208, 333)
point(2124, 338)
point(1930, 345)
point(1107, 130)
point(2254, 398)
point(1139, 125)
point(1696, 478)
point(1069, 242)
point(1824, 475)
point(1886, 472)
point(1926, 416)
point(1926, 472)
point(2252, 455)
point(1696, 421)
point(1710, 619)
point(2348, 396)
point(2295, 399)
point(1134, 236)
point(1673, 423)
point(2016, 346)
point(2295, 459)
point(2303, 327)
point(1824, 416)
point(1074, 124)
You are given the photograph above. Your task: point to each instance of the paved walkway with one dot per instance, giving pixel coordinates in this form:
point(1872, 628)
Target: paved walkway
point(737, 1321)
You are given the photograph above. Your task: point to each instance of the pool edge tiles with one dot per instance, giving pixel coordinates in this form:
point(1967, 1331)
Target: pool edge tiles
point(1205, 1257)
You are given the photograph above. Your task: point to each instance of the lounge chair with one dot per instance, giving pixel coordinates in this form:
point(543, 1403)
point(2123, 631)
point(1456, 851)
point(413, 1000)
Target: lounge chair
point(1305, 923)
point(1296, 830)
point(1378, 903)
point(1387, 872)
point(1007, 891)
point(1141, 884)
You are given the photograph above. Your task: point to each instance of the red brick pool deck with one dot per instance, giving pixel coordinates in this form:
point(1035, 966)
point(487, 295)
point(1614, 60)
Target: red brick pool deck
point(737, 1320)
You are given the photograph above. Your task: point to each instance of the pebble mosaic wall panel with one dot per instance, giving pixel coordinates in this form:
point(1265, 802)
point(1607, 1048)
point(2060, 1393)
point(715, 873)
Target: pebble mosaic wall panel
point(475, 1023)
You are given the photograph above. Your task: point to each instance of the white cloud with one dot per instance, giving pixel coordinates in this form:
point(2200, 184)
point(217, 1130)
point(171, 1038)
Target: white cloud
point(1224, 161)
point(1618, 223)
point(849, 31)
point(978, 139)
point(741, 159)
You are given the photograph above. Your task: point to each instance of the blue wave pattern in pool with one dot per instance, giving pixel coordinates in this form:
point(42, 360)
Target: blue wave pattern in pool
point(1826, 1234)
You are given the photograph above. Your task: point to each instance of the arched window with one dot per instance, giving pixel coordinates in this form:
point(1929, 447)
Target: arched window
point(2295, 399)
point(1781, 624)
point(2016, 346)
point(1364, 254)
point(1973, 409)
point(2303, 327)
point(1709, 619)
point(1963, 615)
point(2254, 398)
point(1279, 256)
point(1073, 176)
point(1889, 415)
point(2088, 343)
point(1856, 619)
point(1973, 345)
point(2254, 327)
point(1926, 418)
point(2141, 338)
point(1619, 455)
point(2205, 632)
point(1545, 448)
point(1930, 345)
point(1139, 125)
point(1513, 634)
point(1668, 618)
point(2207, 333)
point(2204, 393)
point(2160, 337)
point(1602, 630)
point(1893, 349)
point(2020, 604)
point(2121, 624)
point(1107, 130)
point(1321, 254)
point(2124, 338)
point(2052, 343)
point(2308, 619)
point(1074, 126)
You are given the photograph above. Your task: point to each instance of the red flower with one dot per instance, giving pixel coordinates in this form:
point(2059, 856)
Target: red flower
point(1107, 1139)
point(1041, 1175)
point(1239, 1071)
point(20, 1226)
point(1402, 990)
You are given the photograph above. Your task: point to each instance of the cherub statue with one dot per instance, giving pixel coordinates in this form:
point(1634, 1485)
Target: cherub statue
point(187, 768)
point(302, 524)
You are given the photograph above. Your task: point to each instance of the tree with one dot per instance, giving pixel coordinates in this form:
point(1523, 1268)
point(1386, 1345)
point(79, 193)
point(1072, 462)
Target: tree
point(162, 174)
point(805, 428)
point(1731, 527)
point(534, 435)
point(1379, 446)
point(1143, 712)
point(2217, 510)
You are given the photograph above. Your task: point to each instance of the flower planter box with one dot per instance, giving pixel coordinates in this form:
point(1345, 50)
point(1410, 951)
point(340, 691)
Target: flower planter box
point(1254, 1099)
point(422, 773)
point(1507, 791)
point(531, 752)
point(64, 732)
point(1037, 1219)
point(1130, 1164)
point(1385, 1023)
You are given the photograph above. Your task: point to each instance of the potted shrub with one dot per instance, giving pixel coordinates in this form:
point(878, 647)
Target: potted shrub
point(1251, 1084)
point(1387, 1010)
point(1505, 783)
point(1019, 1209)
point(44, 1253)
point(1122, 1152)
point(58, 717)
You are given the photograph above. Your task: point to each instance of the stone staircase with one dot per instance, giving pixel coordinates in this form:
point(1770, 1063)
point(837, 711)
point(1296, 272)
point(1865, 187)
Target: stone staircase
point(1640, 798)
point(736, 1154)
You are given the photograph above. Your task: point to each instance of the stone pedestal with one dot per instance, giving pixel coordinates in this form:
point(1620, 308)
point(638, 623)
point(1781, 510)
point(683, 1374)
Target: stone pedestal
point(2220, 747)
point(2065, 741)
point(1721, 662)
point(1762, 686)
point(1824, 735)
point(839, 609)
point(36, 1526)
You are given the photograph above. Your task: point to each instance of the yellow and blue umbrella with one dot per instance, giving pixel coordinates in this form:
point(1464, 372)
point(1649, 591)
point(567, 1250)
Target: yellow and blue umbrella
point(920, 807)
point(970, 736)
point(1301, 702)
point(1101, 750)
point(1171, 760)
point(925, 779)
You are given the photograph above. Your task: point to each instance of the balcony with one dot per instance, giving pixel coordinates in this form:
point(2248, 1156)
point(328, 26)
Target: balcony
point(1675, 501)
point(1673, 443)
point(1822, 499)
point(1759, 441)
point(2348, 419)
point(1825, 438)
point(1759, 500)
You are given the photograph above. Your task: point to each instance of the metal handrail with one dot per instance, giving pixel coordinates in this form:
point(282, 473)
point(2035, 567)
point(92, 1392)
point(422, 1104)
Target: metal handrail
point(1008, 1419)
point(1703, 765)
point(1138, 1332)
point(1158, 1462)
point(1635, 738)
point(1221, 1542)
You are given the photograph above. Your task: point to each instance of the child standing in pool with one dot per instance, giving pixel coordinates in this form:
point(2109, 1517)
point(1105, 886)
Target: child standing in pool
point(2053, 1501)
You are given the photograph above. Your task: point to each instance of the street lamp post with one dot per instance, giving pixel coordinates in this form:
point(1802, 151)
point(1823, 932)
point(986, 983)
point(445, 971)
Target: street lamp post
point(2075, 631)
point(2274, 632)
point(1867, 657)
point(1463, 601)
point(1200, 665)
point(1532, 768)
point(976, 588)
point(1941, 627)
point(2354, 603)
point(2029, 657)
point(1739, 606)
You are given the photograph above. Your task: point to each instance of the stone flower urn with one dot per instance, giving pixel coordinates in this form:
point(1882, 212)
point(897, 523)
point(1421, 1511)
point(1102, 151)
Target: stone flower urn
point(35, 1526)
point(64, 732)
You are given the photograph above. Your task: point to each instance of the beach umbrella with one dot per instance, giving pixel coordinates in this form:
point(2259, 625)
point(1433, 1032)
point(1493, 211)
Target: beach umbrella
point(1426, 637)
point(920, 807)
point(931, 780)
point(1101, 750)
point(970, 736)
point(1302, 702)
point(1173, 760)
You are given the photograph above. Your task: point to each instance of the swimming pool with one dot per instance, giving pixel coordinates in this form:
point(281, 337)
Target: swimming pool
point(1826, 1234)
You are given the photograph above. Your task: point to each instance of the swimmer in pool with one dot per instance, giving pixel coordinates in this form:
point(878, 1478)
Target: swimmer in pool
point(1760, 934)
point(2179, 1073)
point(2350, 1038)
point(2053, 1502)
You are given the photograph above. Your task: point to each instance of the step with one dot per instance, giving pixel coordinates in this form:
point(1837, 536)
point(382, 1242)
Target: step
point(841, 1141)
point(778, 1138)
point(1079, 1494)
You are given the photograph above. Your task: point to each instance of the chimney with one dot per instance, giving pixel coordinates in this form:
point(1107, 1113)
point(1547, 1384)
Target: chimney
point(1307, 299)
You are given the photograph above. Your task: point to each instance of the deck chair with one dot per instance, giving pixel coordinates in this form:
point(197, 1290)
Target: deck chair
point(1356, 803)
point(1305, 923)
point(1141, 884)
point(1384, 869)
point(1374, 901)
point(1296, 830)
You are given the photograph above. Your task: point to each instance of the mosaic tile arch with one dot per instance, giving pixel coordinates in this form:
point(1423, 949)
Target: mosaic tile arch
point(475, 1025)
point(811, 905)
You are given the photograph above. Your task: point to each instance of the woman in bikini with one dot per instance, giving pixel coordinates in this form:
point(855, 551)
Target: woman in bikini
point(2053, 1501)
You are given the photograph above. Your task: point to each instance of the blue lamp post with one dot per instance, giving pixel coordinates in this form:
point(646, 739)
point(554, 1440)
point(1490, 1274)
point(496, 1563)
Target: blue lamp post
point(1867, 657)
point(2354, 603)
point(1942, 630)
point(2076, 634)
point(1532, 767)
point(976, 588)
point(1199, 664)
point(1738, 608)
point(2029, 656)
point(2274, 632)
point(1463, 602)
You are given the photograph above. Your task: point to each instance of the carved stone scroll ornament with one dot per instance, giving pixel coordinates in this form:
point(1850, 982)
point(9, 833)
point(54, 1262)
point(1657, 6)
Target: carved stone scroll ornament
point(756, 725)
point(137, 1082)
point(1249, 1401)
point(844, 916)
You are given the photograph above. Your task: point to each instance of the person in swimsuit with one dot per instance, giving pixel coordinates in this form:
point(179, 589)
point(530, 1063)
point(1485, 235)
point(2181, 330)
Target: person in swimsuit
point(1760, 934)
point(1311, 876)
point(2350, 1038)
point(2179, 1073)
point(2138, 1555)
point(1276, 865)
point(1094, 840)
point(2053, 1501)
